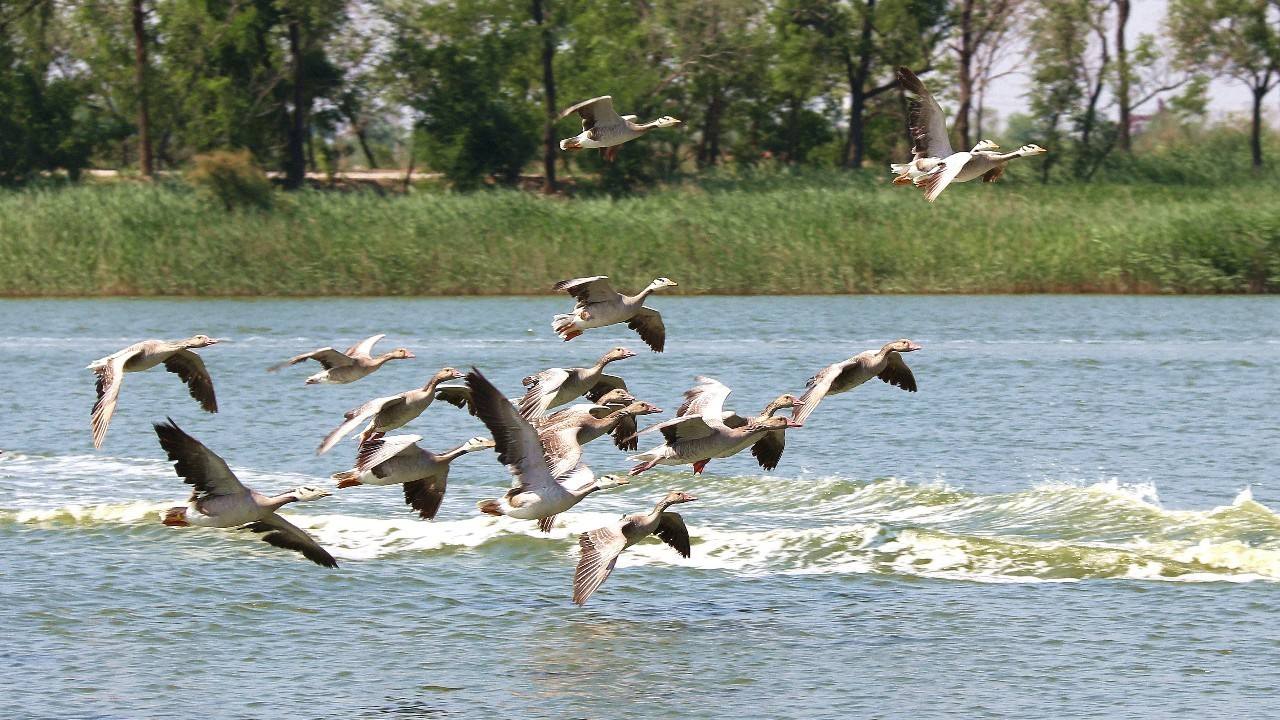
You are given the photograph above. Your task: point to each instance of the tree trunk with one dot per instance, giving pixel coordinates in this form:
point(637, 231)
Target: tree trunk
point(140, 78)
point(1255, 130)
point(709, 145)
point(1122, 71)
point(965, 75)
point(549, 144)
point(855, 145)
point(295, 164)
point(363, 137)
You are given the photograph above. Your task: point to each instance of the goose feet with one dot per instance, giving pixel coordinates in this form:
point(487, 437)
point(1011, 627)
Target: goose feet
point(699, 465)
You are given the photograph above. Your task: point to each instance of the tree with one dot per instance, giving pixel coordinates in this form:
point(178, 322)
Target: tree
point(140, 78)
point(550, 146)
point(1238, 39)
point(981, 29)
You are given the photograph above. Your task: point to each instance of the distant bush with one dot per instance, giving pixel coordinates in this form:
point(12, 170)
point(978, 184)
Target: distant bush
point(232, 178)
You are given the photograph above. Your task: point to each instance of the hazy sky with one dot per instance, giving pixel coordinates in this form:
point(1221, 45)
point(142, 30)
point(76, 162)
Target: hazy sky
point(1007, 93)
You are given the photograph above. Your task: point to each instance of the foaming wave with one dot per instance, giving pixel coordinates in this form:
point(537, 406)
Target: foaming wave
point(1053, 532)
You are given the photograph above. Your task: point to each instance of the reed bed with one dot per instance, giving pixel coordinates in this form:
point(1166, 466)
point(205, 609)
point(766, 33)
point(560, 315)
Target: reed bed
point(803, 235)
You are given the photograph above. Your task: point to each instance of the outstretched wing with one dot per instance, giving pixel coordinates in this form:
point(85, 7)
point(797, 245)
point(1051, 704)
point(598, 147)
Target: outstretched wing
point(354, 417)
point(896, 372)
point(596, 111)
point(686, 427)
point(514, 438)
point(648, 325)
point(671, 530)
point(924, 116)
point(426, 494)
point(196, 464)
point(375, 451)
point(541, 393)
point(588, 290)
point(365, 347)
point(457, 396)
point(326, 356)
point(705, 399)
point(599, 553)
point(284, 534)
point(768, 449)
point(604, 385)
point(110, 375)
point(819, 386)
point(190, 368)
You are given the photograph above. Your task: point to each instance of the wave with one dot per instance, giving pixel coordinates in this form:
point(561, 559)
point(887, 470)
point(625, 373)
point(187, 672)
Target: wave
point(1054, 532)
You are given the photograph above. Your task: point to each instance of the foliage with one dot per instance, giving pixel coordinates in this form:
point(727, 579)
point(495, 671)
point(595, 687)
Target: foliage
point(231, 178)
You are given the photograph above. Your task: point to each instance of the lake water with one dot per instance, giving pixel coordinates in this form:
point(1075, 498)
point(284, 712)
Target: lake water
point(1072, 518)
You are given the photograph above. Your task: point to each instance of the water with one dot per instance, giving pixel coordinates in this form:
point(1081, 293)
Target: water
point(1072, 518)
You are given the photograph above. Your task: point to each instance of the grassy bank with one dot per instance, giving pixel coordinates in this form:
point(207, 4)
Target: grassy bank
point(815, 234)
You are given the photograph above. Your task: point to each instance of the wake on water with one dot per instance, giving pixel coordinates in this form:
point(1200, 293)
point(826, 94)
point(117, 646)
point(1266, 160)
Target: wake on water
point(1054, 532)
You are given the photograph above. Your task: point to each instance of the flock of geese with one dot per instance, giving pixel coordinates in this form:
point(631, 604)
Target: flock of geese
point(933, 166)
point(541, 449)
point(540, 445)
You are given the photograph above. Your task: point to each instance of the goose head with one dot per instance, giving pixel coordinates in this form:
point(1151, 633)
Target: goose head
point(309, 492)
point(985, 145)
point(770, 424)
point(662, 282)
point(784, 401)
point(477, 443)
point(1032, 149)
point(641, 407)
point(608, 482)
point(618, 353)
point(199, 341)
point(675, 497)
point(400, 354)
point(616, 396)
point(666, 121)
point(448, 373)
point(902, 346)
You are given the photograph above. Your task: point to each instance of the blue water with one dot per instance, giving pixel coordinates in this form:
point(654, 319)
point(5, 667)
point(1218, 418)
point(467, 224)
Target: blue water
point(1072, 518)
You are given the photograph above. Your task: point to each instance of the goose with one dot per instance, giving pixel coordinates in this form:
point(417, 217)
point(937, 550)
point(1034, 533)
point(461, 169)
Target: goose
point(600, 305)
point(885, 363)
point(767, 450)
point(616, 399)
point(564, 433)
point(939, 165)
point(341, 368)
point(556, 386)
point(219, 499)
point(604, 128)
point(600, 548)
point(537, 493)
point(391, 412)
point(398, 460)
point(918, 167)
point(177, 358)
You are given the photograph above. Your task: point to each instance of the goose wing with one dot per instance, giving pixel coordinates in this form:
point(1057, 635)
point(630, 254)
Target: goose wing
point(604, 385)
point(542, 390)
point(648, 325)
point(596, 111)
point(818, 387)
point(624, 433)
point(426, 494)
point(196, 464)
point(936, 181)
point(671, 530)
point(687, 427)
point(599, 553)
point(705, 399)
point(560, 446)
point(768, 449)
point(376, 451)
point(589, 290)
point(190, 368)
point(110, 375)
point(326, 356)
point(456, 395)
point(514, 438)
point(924, 116)
point(283, 534)
point(897, 373)
point(355, 416)
point(364, 348)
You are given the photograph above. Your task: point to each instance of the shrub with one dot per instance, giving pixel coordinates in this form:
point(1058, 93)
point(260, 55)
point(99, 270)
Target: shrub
point(232, 178)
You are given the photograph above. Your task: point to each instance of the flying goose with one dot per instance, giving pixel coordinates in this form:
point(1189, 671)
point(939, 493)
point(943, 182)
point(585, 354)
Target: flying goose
point(537, 493)
point(177, 358)
point(885, 363)
point(219, 499)
point(615, 399)
point(604, 128)
point(600, 305)
point(391, 412)
point(345, 367)
point(931, 148)
point(600, 548)
point(699, 433)
point(557, 386)
point(398, 460)
point(564, 433)
point(767, 449)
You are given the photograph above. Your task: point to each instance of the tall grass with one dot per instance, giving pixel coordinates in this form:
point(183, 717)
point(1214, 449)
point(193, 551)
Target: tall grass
point(771, 234)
